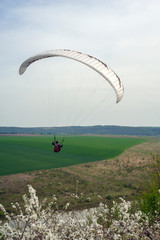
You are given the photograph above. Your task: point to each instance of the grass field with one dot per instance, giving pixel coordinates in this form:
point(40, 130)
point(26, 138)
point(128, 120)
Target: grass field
point(29, 153)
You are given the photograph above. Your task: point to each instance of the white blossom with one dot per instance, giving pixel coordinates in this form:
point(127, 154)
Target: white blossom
point(40, 221)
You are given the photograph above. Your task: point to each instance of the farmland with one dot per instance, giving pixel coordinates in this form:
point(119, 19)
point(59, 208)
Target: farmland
point(123, 175)
point(29, 153)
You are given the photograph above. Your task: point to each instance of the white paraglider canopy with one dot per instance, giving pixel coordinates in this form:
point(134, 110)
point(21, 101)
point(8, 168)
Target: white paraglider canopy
point(106, 72)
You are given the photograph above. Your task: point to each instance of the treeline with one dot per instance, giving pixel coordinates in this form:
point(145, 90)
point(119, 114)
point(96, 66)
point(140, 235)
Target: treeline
point(74, 130)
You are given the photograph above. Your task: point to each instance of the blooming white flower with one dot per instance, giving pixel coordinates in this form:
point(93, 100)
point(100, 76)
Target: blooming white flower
point(43, 222)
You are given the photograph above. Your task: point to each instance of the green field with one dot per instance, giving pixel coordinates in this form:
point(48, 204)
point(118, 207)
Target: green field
point(25, 153)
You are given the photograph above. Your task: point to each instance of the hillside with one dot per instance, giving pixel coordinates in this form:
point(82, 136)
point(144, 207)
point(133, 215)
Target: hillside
point(74, 130)
point(122, 176)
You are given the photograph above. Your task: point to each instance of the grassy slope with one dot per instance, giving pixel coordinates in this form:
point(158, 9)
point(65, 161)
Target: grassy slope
point(122, 176)
point(21, 154)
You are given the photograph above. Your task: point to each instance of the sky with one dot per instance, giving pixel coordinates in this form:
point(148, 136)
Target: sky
point(124, 34)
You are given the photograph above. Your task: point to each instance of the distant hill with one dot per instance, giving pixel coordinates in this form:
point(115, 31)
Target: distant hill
point(74, 130)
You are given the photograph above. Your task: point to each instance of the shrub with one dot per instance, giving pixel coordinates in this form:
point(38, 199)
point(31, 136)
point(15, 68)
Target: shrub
point(150, 204)
point(41, 221)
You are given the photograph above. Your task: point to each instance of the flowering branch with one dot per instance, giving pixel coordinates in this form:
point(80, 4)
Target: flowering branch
point(41, 221)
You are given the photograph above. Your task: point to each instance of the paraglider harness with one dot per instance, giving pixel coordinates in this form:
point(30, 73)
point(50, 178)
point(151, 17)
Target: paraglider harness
point(57, 146)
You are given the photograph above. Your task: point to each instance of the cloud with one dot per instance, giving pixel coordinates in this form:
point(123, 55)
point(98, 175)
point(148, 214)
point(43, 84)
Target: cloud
point(124, 34)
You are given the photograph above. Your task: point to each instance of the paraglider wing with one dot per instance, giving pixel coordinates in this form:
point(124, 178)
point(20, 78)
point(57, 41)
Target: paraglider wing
point(94, 63)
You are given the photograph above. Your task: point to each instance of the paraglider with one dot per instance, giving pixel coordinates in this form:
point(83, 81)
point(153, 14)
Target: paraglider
point(97, 65)
point(57, 145)
point(106, 72)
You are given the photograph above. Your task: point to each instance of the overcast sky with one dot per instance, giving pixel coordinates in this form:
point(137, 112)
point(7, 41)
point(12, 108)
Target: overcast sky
point(124, 34)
